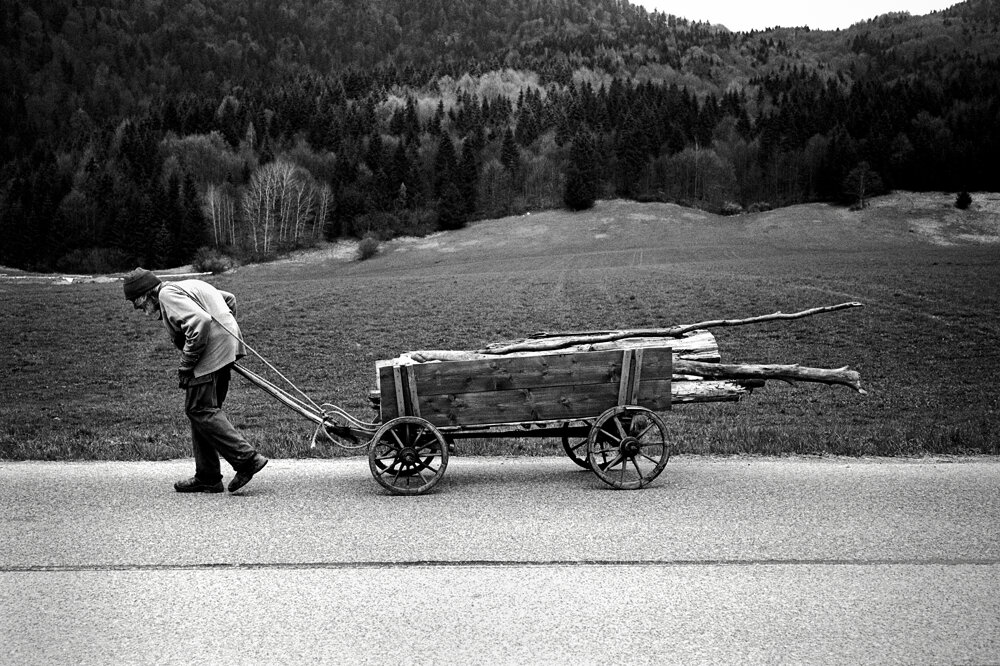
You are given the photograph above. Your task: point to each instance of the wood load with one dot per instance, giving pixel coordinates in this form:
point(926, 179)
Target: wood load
point(698, 373)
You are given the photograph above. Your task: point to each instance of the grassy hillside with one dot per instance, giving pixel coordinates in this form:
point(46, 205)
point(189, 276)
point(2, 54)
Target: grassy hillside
point(86, 377)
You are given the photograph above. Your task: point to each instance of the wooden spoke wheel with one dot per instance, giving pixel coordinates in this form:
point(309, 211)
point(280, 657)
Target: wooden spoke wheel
point(575, 447)
point(627, 447)
point(408, 456)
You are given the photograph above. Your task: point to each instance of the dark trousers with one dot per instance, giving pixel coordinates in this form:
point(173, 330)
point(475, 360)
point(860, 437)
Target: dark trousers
point(212, 435)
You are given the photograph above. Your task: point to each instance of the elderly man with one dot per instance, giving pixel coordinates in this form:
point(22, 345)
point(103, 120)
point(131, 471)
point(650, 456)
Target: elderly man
point(201, 322)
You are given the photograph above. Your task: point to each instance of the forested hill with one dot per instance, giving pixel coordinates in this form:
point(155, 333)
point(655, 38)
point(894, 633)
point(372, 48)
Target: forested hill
point(138, 132)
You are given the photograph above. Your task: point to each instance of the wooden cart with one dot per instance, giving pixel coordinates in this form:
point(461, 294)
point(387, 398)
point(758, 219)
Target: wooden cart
point(601, 392)
point(605, 406)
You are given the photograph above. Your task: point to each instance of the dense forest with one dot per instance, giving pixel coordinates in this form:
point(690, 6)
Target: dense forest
point(149, 131)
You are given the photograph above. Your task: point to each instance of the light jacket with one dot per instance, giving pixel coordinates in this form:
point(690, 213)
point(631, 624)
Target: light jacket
point(189, 307)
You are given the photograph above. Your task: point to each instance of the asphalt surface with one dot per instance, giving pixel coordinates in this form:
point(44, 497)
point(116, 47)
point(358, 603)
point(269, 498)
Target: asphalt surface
point(523, 560)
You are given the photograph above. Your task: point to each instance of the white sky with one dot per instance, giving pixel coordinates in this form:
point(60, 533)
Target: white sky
point(746, 15)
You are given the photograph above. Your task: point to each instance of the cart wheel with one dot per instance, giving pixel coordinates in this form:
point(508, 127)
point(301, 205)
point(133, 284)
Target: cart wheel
point(627, 447)
point(575, 448)
point(408, 456)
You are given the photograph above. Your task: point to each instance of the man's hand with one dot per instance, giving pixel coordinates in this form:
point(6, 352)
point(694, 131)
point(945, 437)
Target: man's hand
point(184, 378)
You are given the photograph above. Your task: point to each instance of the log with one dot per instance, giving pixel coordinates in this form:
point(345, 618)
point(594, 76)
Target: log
point(694, 345)
point(789, 373)
point(547, 340)
point(712, 390)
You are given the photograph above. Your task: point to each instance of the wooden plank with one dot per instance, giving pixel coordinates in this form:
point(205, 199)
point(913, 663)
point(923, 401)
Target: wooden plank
point(681, 392)
point(413, 398)
point(529, 372)
point(633, 393)
point(397, 385)
point(540, 404)
point(625, 384)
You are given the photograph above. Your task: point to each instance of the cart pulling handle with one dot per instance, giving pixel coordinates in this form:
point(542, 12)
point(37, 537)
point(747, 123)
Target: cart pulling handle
point(357, 432)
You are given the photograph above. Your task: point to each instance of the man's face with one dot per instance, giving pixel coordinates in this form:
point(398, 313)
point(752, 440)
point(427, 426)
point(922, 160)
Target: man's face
point(149, 305)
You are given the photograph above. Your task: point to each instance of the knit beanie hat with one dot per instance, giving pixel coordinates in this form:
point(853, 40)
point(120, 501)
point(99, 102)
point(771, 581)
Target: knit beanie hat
point(138, 282)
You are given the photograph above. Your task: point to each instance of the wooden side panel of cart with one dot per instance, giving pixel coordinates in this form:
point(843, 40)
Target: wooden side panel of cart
point(524, 389)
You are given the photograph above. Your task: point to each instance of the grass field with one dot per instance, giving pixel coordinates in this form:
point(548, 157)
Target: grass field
point(83, 376)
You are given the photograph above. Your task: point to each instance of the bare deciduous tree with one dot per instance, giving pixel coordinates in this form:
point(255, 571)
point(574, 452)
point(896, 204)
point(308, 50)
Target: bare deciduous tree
point(284, 207)
point(220, 211)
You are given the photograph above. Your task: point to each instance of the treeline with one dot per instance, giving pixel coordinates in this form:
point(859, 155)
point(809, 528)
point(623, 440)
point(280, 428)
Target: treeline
point(266, 153)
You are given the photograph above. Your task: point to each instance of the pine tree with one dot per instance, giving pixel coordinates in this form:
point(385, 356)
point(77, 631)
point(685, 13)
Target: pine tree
point(468, 176)
point(412, 120)
point(445, 165)
point(630, 149)
point(399, 171)
point(193, 232)
point(227, 119)
point(451, 208)
point(581, 174)
point(173, 216)
point(374, 156)
point(510, 155)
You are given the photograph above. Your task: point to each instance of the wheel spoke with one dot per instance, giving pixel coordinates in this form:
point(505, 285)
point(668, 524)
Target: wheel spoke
point(426, 458)
point(609, 465)
point(609, 461)
point(643, 433)
point(635, 463)
point(422, 433)
point(652, 460)
point(386, 452)
point(430, 447)
point(611, 436)
point(621, 428)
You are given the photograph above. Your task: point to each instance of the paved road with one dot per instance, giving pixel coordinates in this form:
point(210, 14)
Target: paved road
point(513, 561)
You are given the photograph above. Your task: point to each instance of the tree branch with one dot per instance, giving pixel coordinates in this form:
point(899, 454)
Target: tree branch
point(547, 340)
